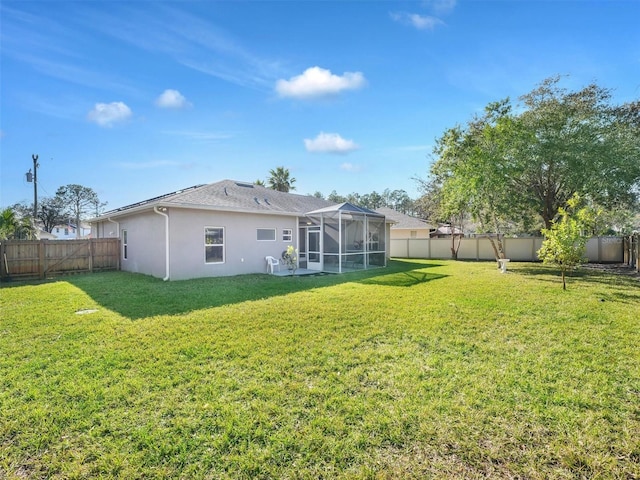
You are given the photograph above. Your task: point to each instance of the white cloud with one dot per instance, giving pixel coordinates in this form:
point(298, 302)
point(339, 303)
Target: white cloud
point(108, 114)
point(317, 82)
point(421, 22)
point(350, 167)
point(330, 143)
point(172, 99)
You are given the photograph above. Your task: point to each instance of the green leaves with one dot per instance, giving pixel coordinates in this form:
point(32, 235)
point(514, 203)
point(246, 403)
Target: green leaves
point(280, 179)
point(514, 170)
point(565, 241)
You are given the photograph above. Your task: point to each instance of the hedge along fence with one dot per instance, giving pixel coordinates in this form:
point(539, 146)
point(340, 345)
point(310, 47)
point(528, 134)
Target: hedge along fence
point(599, 249)
point(28, 259)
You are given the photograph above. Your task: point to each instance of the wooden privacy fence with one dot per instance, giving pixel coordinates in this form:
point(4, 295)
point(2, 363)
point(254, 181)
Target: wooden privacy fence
point(599, 249)
point(27, 259)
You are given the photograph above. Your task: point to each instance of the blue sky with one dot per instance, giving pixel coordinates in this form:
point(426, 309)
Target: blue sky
point(137, 99)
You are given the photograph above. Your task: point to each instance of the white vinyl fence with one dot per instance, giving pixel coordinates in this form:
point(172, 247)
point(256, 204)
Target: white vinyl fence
point(599, 249)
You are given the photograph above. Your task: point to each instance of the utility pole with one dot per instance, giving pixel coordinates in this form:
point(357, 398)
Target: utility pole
point(34, 177)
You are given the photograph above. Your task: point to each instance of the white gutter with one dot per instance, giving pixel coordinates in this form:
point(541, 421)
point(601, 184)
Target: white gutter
point(117, 226)
point(166, 240)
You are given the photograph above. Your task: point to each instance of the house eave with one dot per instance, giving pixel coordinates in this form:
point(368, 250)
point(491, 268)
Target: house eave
point(187, 206)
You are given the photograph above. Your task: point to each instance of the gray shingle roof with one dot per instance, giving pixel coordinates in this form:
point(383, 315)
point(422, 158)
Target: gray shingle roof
point(404, 221)
point(231, 195)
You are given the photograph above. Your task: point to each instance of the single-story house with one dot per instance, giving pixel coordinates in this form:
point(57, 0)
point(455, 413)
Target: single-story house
point(405, 226)
point(230, 227)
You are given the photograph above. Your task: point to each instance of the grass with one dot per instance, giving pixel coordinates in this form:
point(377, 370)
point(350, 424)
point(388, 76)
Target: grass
point(420, 370)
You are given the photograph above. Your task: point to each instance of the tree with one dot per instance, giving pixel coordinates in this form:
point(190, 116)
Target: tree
point(565, 241)
point(78, 201)
point(13, 226)
point(259, 183)
point(473, 175)
point(513, 172)
point(51, 212)
point(575, 142)
point(280, 179)
point(335, 198)
point(371, 200)
point(428, 205)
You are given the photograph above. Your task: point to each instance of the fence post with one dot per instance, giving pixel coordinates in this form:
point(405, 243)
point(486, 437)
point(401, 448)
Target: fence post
point(599, 249)
point(90, 240)
point(3, 264)
point(41, 259)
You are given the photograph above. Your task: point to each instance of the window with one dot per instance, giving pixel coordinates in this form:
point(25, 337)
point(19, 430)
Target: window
point(214, 245)
point(125, 249)
point(266, 234)
point(287, 235)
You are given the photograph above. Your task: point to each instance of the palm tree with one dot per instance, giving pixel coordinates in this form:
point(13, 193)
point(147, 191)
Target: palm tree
point(281, 180)
point(12, 227)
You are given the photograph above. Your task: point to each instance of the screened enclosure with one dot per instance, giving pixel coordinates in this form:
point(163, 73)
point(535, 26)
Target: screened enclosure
point(345, 238)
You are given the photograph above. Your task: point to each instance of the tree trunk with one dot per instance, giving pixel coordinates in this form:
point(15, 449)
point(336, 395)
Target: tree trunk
point(498, 250)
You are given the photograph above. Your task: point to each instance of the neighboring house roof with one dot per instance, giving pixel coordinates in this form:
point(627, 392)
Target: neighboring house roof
point(403, 221)
point(229, 195)
point(446, 230)
point(44, 235)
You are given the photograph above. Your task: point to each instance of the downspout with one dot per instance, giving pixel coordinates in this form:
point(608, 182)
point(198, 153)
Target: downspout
point(166, 241)
point(340, 242)
point(117, 227)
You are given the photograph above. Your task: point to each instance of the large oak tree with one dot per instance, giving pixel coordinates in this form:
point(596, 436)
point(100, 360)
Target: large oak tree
point(513, 165)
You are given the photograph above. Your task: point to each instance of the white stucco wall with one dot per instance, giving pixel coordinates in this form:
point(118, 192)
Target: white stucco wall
point(242, 251)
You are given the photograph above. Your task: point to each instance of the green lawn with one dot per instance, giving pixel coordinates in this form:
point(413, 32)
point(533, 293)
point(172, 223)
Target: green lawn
point(421, 370)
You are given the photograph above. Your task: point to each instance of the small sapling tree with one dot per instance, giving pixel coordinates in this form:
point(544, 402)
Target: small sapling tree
point(565, 241)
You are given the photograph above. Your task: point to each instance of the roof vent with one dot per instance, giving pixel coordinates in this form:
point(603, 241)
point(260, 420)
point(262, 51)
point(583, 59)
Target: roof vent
point(225, 191)
point(266, 200)
point(256, 200)
point(245, 185)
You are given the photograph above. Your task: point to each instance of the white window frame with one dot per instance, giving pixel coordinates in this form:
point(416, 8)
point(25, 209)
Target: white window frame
point(258, 230)
point(214, 245)
point(287, 235)
point(125, 245)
